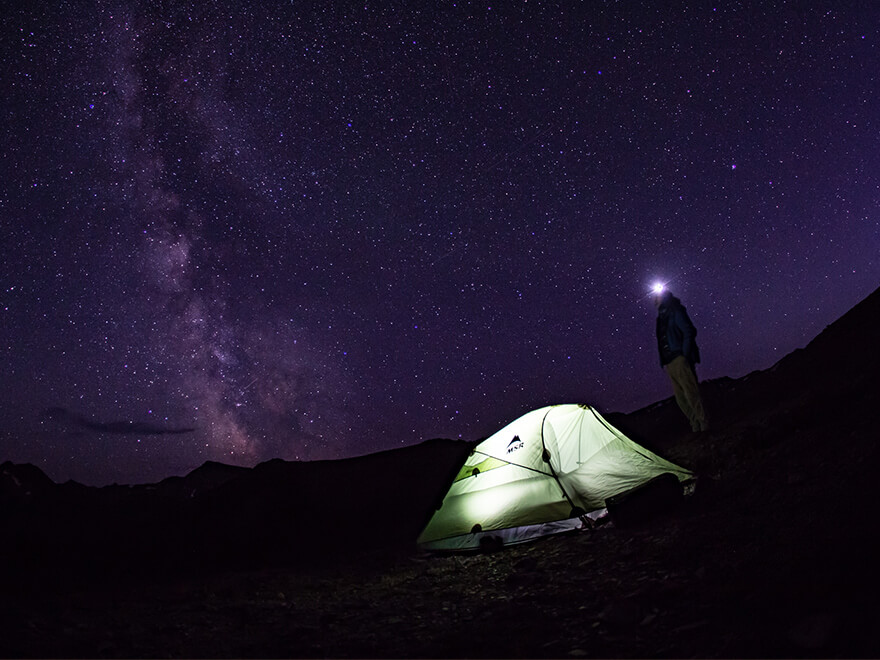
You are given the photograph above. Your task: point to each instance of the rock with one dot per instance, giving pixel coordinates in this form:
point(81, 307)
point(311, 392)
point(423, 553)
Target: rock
point(648, 619)
point(621, 613)
point(814, 631)
point(526, 564)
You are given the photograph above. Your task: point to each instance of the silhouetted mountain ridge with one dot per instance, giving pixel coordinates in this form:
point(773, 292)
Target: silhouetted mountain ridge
point(833, 375)
point(220, 515)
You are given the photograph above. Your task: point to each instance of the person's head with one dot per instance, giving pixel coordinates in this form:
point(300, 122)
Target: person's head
point(660, 294)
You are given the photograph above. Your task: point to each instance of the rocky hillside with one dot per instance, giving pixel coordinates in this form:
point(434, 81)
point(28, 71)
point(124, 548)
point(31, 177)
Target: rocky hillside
point(773, 556)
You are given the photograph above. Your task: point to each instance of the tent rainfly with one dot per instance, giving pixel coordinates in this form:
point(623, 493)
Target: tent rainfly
point(540, 475)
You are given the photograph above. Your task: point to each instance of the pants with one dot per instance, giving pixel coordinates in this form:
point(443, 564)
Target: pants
point(687, 392)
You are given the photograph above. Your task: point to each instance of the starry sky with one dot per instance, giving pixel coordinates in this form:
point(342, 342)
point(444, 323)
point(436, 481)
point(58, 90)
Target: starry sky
point(313, 230)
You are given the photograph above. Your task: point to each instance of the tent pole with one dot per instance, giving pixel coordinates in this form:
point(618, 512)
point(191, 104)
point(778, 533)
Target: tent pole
point(545, 455)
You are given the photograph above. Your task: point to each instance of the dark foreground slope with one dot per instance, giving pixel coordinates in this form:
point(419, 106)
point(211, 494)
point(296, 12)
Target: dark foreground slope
point(775, 555)
point(220, 517)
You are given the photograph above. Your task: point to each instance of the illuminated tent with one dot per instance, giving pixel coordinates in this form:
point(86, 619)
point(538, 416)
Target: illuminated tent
point(540, 475)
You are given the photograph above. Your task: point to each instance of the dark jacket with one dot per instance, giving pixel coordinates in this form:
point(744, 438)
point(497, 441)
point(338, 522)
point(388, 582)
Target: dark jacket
point(676, 334)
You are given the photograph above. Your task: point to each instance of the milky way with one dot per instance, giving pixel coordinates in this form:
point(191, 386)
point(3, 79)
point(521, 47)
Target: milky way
point(312, 231)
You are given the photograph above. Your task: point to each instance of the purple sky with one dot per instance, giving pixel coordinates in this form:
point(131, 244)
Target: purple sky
point(308, 233)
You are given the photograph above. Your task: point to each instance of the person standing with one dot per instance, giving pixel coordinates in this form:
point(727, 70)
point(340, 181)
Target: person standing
point(679, 355)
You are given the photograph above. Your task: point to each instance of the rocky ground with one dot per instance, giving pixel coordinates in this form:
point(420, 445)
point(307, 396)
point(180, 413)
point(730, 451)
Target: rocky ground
point(774, 555)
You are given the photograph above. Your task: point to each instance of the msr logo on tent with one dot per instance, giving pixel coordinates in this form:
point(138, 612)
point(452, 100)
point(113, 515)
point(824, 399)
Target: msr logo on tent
point(515, 444)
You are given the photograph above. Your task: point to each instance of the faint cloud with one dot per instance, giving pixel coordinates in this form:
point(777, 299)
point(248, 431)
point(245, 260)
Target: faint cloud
point(66, 417)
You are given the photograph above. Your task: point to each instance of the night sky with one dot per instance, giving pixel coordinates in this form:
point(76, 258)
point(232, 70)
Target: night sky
point(313, 230)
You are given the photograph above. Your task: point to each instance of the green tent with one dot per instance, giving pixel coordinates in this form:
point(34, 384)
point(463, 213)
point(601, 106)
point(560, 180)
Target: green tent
point(540, 475)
